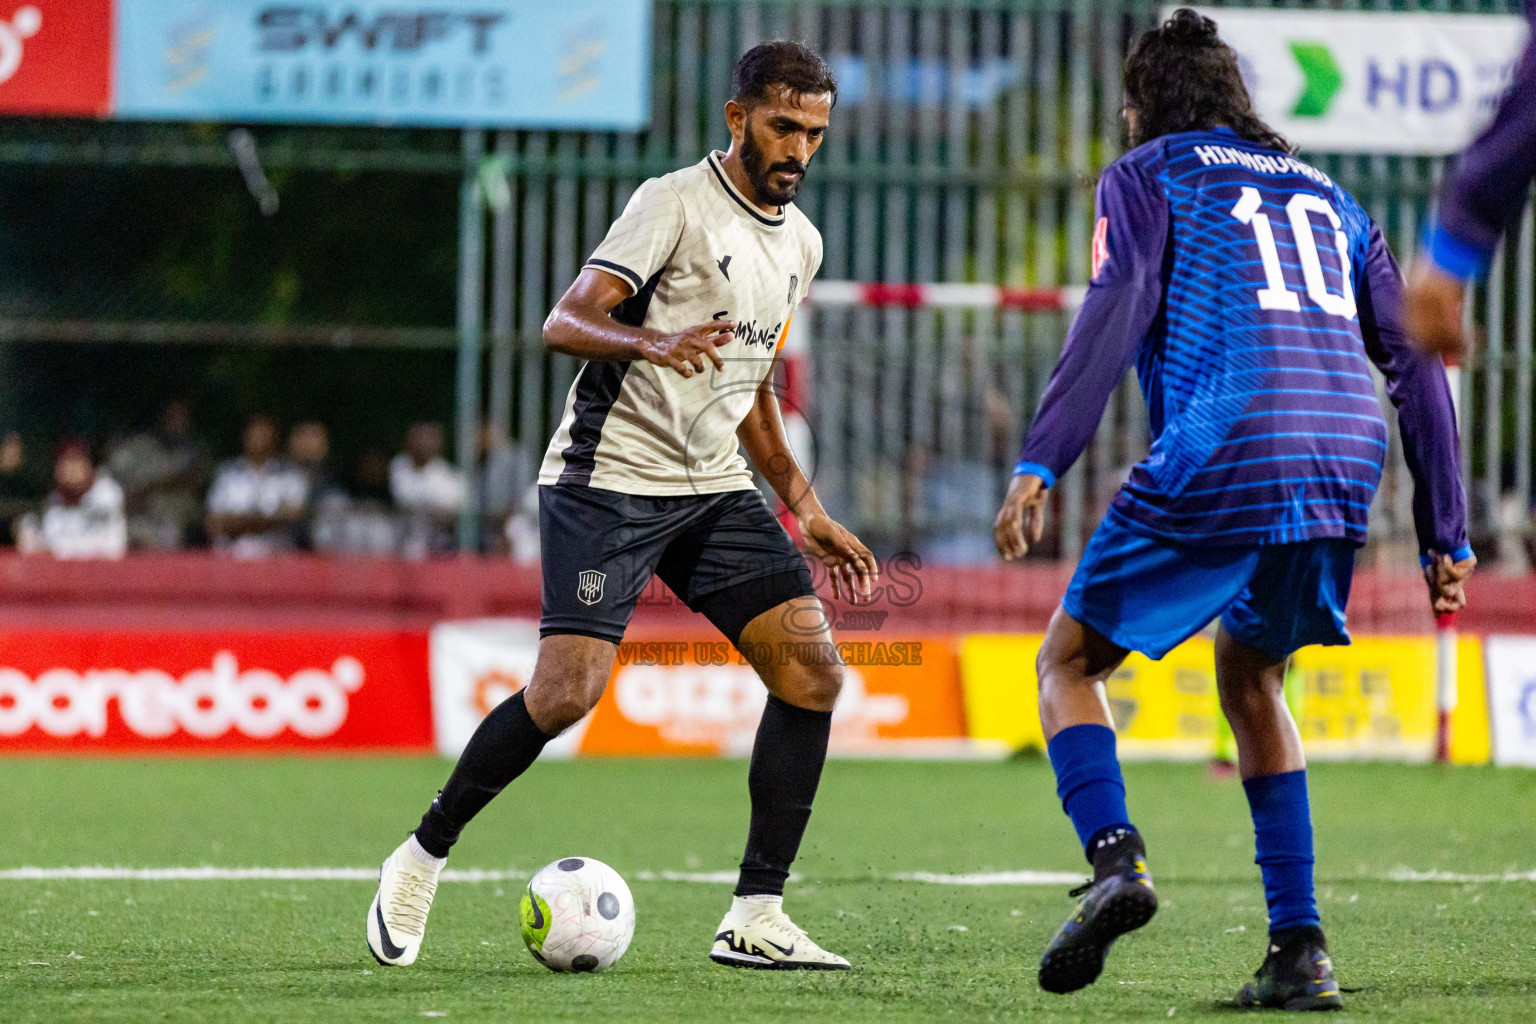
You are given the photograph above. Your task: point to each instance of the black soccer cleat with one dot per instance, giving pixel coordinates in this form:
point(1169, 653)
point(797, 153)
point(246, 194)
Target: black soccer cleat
point(1297, 975)
point(1120, 899)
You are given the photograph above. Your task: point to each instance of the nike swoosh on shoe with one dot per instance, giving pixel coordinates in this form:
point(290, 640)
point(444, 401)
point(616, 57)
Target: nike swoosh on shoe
point(392, 951)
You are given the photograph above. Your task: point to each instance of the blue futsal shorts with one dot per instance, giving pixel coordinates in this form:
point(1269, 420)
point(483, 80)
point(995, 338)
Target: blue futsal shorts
point(1150, 595)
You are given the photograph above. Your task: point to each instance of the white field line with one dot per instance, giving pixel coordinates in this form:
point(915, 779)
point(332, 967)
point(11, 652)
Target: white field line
point(1005, 878)
point(996, 878)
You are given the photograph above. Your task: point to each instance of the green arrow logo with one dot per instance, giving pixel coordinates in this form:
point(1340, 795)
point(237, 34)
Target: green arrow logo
point(1324, 79)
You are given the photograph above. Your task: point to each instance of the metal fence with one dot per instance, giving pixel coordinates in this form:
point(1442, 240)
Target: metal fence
point(964, 147)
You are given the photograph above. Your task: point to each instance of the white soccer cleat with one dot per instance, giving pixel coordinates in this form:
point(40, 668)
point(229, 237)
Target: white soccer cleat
point(757, 933)
point(397, 919)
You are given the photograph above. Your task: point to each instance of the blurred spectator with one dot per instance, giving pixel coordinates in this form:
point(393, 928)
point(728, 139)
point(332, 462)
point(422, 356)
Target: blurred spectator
point(21, 483)
point(427, 491)
point(162, 473)
point(84, 517)
point(259, 500)
point(362, 522)
point(309, 450)
point(505, 475)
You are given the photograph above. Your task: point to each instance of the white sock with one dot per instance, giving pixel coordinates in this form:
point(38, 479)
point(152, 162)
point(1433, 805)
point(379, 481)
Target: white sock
point(416, 850)
point(756, 904)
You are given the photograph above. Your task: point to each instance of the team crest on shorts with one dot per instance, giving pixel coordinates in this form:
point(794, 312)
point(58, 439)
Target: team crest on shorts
point(589, 586)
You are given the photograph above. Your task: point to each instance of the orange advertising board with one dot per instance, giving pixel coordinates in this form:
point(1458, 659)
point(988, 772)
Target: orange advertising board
point(696, 695)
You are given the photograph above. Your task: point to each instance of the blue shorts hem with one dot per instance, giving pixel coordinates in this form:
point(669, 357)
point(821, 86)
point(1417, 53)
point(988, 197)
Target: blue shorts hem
point(1157, 649)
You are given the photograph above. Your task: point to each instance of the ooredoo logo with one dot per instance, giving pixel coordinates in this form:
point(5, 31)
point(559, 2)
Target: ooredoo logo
point(205, 703)
point(24, 24)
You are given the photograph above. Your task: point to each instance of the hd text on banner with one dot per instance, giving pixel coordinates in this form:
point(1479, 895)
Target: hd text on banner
point(1373, 699)
point(1373, 82)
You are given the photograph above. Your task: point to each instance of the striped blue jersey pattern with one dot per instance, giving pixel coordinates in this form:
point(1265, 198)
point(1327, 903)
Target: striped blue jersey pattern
point(1266, 421)
point(1252, 294)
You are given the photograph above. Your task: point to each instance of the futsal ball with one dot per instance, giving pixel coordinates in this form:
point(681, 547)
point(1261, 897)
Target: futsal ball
point(577, 916)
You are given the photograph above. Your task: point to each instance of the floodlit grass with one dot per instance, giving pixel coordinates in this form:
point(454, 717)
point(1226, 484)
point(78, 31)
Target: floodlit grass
point(125, 950)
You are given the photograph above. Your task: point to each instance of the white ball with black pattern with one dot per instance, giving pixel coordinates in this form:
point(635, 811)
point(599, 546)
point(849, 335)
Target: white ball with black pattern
point(577, 916)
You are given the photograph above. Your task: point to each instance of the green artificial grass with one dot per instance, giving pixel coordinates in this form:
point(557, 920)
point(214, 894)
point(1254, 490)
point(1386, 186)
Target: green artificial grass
point(262, 950)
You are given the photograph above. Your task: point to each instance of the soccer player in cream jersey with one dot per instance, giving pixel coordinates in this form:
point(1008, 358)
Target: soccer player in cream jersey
point(680, 313)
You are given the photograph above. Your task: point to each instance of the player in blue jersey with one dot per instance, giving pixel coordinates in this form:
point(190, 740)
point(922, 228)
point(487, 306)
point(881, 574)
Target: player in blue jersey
point(1252, 294)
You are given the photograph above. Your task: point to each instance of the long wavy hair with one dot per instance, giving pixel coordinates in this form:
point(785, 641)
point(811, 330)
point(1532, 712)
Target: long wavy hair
point(1180, 77)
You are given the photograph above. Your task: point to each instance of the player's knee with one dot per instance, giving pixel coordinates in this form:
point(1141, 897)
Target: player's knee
point(555, 708)
point(1242, 693)
point(816, 687)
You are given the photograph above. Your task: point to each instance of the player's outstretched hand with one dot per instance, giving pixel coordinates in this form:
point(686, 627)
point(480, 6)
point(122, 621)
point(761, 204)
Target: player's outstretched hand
point(685, 351)
point(1432, 309)
point(1021, 521)
point(849, 563)
point(1447, 582)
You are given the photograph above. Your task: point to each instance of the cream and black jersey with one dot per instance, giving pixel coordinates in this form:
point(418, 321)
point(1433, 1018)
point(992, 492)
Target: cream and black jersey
point(691, 249)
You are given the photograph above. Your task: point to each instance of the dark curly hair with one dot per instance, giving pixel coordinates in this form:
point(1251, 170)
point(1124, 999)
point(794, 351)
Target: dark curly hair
point(800, 70)
point(1180, 77)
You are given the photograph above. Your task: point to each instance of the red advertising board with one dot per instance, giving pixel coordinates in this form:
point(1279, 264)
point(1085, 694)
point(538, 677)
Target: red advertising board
point(56, 57)
point(223, 692)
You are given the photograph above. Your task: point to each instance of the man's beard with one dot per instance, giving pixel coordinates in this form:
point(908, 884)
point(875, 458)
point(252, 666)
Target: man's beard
point(759, 173)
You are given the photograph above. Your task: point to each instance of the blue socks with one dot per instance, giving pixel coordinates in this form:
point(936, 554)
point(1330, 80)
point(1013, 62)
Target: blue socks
point(1088, 780)
point(1282, 830)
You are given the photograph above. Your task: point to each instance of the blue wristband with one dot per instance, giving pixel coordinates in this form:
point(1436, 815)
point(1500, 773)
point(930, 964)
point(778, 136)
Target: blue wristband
point(1460, 259)
point(1035, 469)
point(1461, 554)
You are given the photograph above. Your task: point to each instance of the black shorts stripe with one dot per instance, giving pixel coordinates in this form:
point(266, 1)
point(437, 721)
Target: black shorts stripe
point(624, 272)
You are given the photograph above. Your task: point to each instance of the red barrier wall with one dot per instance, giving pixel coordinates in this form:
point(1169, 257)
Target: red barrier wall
point(204, 591)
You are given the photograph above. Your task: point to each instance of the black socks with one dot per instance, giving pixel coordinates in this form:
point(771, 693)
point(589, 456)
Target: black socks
point(501, 749)
point(787, 759)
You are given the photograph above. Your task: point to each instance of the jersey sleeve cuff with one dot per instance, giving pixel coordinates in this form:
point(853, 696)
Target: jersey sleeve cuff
point(1461, 554)
point(1462, 260)
point(628, 276)
point(1035, 469)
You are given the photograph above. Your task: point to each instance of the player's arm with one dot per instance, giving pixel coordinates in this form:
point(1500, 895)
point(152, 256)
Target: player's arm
point(1417, 386)
point(1121, 305)
point(581, 325)
point(627, 264)
point(849, 563)
point(1482, 198)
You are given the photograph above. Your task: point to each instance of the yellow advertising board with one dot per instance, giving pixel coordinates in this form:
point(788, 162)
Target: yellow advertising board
point(1373, 699)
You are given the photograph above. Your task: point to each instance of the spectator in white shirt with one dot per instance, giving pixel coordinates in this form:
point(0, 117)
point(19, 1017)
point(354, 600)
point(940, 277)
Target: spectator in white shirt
point(258, 501)
point(427, 490)
point(84, 518)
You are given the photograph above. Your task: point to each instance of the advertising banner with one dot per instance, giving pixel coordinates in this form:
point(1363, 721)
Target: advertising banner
point(1373, 699)
point(197, 692)
point(1373, 82)
point(492, 63)
point(694, 694)
point(56, 58)
point(1512, 698)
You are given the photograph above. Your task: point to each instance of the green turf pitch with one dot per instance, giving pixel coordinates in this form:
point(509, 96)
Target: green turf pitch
point(131, 950)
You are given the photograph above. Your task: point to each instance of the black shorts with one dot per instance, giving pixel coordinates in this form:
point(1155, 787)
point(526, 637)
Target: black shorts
point(724, 555)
